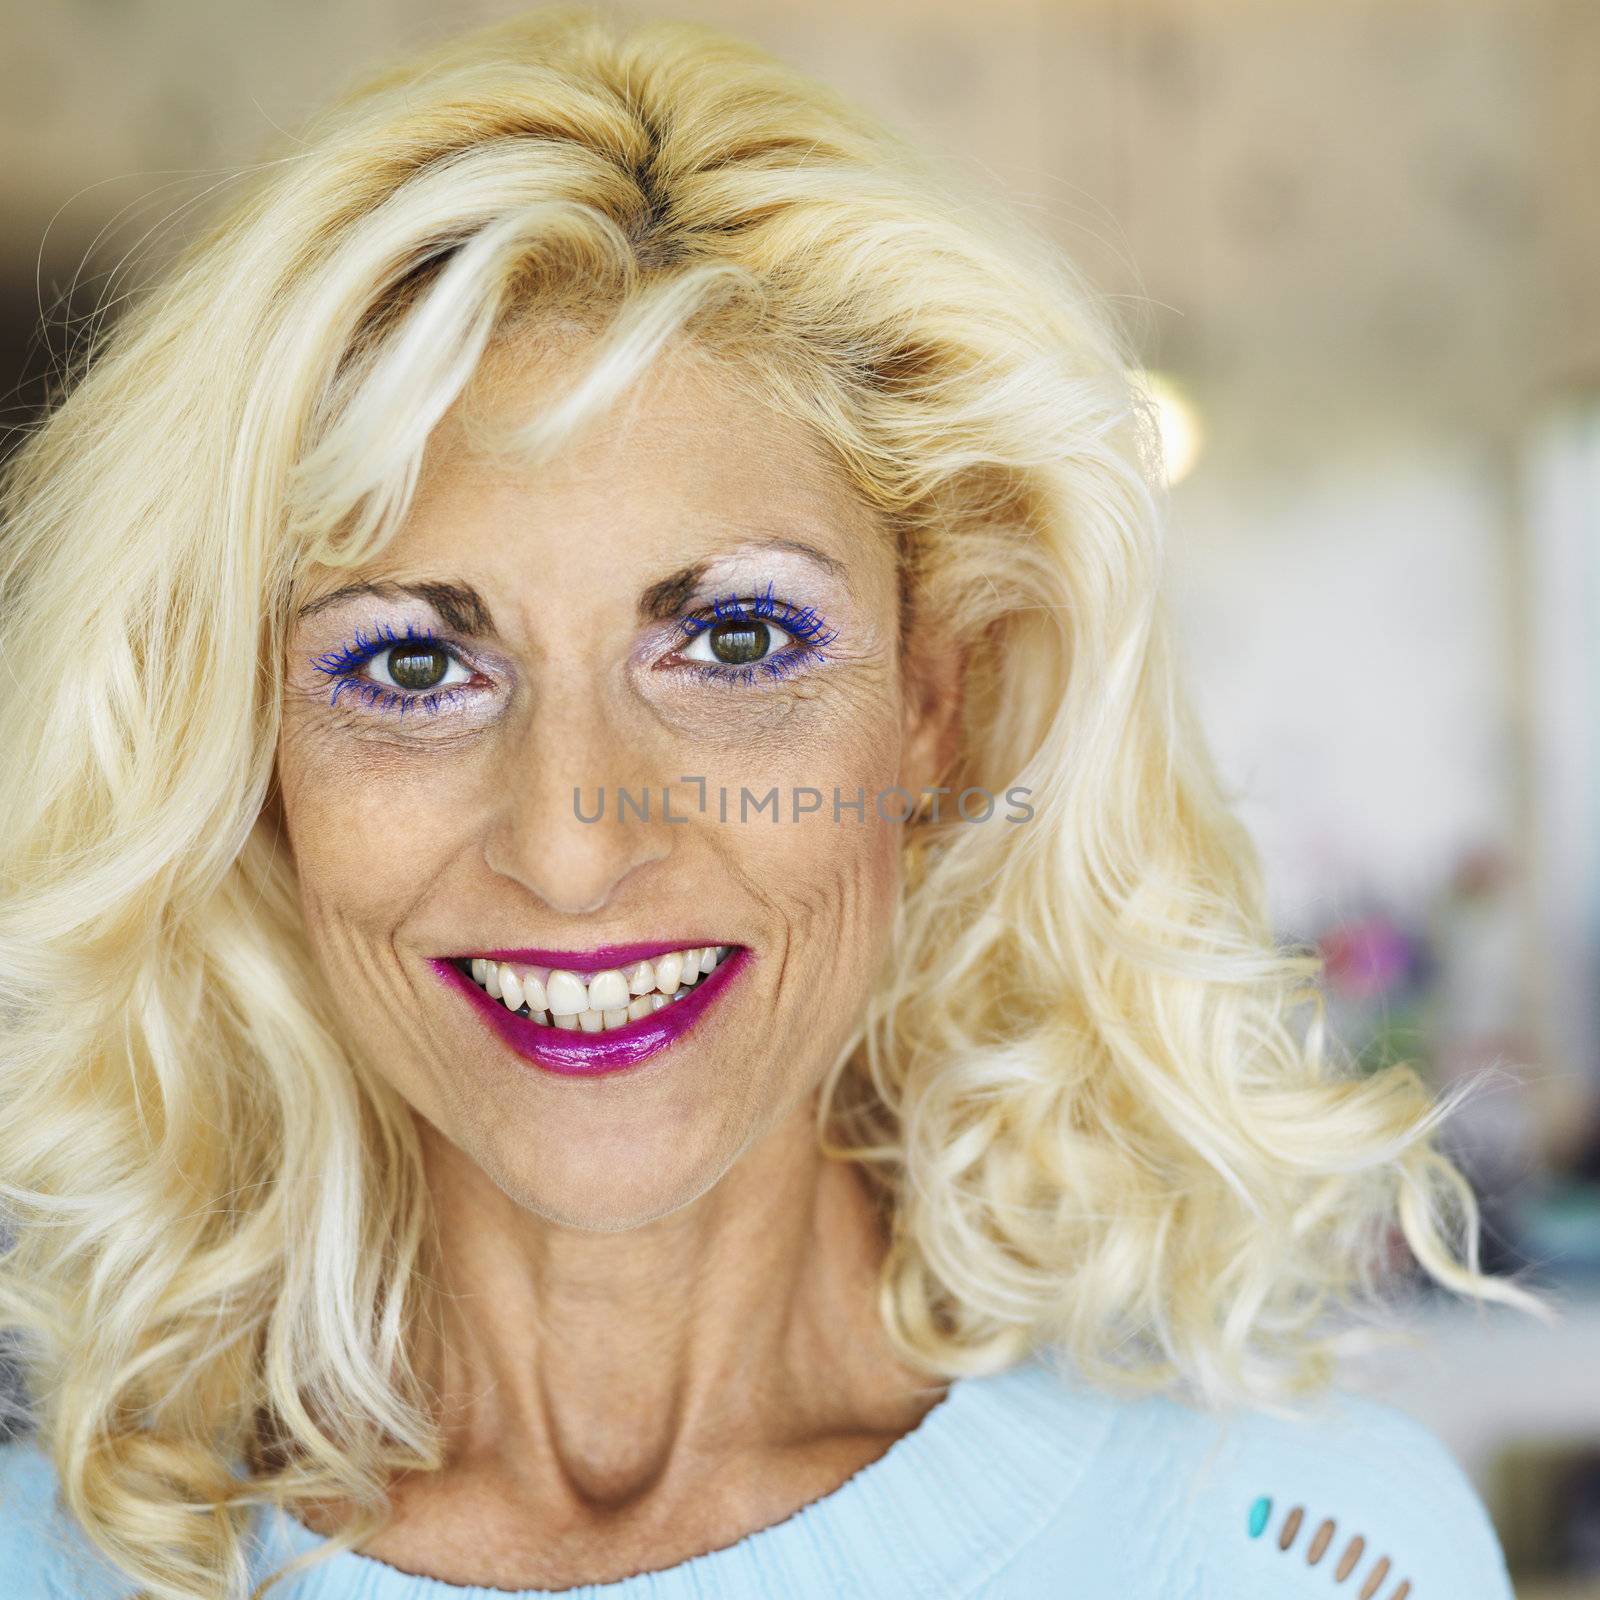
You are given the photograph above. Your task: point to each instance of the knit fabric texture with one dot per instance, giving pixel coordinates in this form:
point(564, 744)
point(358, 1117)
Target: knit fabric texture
point(1022, 1485)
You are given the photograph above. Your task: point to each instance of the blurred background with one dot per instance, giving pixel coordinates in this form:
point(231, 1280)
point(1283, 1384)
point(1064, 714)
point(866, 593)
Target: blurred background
point(1359, 242)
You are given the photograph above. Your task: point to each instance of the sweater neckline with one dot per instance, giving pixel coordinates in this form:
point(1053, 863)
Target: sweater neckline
point(940, 1511)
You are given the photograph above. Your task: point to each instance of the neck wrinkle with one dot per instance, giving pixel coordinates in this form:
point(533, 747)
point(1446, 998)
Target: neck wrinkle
point(598, 1365)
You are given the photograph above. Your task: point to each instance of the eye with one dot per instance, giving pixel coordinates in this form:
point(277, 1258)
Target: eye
point(394, 672)
point(415, 668)
point(737, 642)
point(751, 639)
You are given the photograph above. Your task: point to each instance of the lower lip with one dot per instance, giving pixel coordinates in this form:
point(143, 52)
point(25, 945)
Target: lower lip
point(590, 1055)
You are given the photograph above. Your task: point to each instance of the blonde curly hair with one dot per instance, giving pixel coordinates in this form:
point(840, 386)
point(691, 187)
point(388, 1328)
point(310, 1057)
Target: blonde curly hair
point(1094, 1127)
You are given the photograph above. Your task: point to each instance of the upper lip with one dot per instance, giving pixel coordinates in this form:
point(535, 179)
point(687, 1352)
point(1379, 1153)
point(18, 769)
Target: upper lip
point(602, 959)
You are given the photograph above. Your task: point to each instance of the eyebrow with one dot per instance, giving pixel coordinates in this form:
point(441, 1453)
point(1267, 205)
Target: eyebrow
point(465, 611)
point(460, 605)
point(662, 601)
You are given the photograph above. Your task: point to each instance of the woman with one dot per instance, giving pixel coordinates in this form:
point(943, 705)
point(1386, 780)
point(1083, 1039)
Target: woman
point(626, 972)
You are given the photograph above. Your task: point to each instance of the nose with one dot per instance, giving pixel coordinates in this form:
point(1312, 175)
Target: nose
point(581, 812)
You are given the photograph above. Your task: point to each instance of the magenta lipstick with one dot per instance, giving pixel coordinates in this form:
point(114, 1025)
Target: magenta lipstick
point(579, 1054)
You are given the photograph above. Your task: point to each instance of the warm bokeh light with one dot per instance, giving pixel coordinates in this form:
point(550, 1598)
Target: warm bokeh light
point(1179, 419)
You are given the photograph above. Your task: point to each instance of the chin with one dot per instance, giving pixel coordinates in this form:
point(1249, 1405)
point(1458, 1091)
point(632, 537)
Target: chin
point(612, 1180)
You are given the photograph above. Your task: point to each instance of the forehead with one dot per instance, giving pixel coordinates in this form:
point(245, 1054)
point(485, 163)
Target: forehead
point(692, 447)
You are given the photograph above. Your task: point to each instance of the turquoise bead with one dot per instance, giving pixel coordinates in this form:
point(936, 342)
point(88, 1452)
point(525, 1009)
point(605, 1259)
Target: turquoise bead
point(1259, 1513)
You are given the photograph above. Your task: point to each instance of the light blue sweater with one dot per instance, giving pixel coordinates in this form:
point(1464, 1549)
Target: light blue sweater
point(1013, 1487)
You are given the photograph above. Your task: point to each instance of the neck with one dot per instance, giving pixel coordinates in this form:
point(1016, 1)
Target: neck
point(603, 1362)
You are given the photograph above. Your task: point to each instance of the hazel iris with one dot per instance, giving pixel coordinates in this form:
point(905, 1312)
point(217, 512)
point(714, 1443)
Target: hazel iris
point(739, 642)
point(418, 667)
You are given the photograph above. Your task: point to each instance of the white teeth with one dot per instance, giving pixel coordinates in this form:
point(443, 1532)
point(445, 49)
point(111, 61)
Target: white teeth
point(510, 988)
point(566, 993)
point(608, 991)
point(608, 999)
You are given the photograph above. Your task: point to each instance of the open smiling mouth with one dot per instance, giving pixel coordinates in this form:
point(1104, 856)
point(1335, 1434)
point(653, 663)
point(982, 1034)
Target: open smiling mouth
point(570, 1013)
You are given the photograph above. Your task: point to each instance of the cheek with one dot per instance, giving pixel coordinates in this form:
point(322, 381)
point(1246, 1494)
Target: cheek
point(839, 887)
point(366, 832)
point(828, 871)
point(829, 891)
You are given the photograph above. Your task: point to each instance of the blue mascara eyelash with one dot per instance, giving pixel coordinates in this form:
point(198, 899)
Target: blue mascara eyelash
point(344, 666)
point(805, 624)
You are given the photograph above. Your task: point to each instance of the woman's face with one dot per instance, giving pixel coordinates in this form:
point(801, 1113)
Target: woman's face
point(691, 605)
